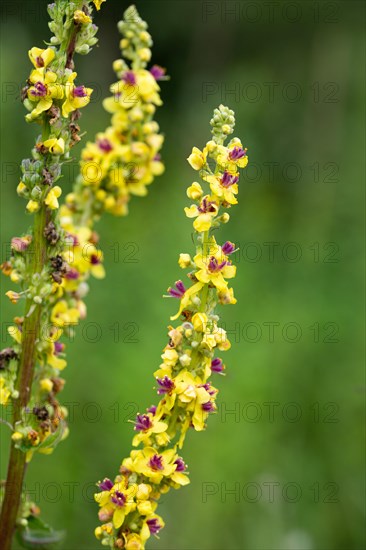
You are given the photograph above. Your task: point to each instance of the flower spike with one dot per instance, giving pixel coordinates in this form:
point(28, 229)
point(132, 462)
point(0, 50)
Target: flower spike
point(187, 396)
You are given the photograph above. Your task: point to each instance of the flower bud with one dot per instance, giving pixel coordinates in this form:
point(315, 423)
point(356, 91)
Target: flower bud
point(118, 65)
point(144, 54)
point(32, 206)
point(20, 244)
point(185, 360)
point(22, 189)
point(199, 322)
point(83, 49)
point(195, 191)
point(46, 384)
point(184, 261)
point(17, 436)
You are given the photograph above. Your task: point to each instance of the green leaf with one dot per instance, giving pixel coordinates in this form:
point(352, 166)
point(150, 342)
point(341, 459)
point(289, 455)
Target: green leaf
point(39, 535)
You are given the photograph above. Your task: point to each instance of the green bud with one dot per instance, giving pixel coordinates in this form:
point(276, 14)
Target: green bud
point(83, 49)
point(222, 122)
point(36, 191)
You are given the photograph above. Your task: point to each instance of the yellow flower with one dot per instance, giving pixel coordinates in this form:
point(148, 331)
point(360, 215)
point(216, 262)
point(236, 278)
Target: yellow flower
point(46, 384)
point(227, 297)
point(170, 357)
point(41, 58)
point(194, 394)
point(32, 206)
point(16, 436)
point(98, 3)
point(52, 358)
point(187, 298)
point(13, 296)
point(43, 91)
point(147, 425)
point(63, 315)
point(204, 214)
point(152, 464)
point(94, 257)
point(214, 269)
point(194, 191)
point(154, 521)
point(81, 18)
point(76, 96)
point(21, 188)
point(232, 157)
point(223, 342)
point(15, 333)
point(4, 392)
point(137, 86)
point(199, 322)
point(224, 186)
point(55, 146)
point(116, 502)
point(197, 159)
point(133, 542)
point(184, 261)
point(52, 196)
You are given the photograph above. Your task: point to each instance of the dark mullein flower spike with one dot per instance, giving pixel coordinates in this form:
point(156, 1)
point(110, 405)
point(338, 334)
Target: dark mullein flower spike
point(187, 397)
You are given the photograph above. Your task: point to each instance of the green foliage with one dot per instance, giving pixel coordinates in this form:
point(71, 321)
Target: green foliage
point(322, 206)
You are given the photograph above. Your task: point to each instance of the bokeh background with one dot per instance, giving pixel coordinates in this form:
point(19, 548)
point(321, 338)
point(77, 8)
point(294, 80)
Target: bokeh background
point(281, 463)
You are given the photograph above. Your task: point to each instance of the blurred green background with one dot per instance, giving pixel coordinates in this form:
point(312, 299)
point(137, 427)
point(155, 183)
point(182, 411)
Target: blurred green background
point(281, 464)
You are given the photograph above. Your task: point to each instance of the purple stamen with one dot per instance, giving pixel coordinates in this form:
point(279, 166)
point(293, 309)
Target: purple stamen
point(214, 266)
point(166, 385)
point(72, 274)
point(39, 61)
point(142, 423)
point(208, 407)
point(207, 387)
point(129, 78)
point(58, 347)
point(180, 465)
point(39, 89)
point(178, 291)
point(157, 72)
point(105, 145)
point(79, 91)
point(118, 499)
point(207, 206)
point(228, 179)
point(237, 153)
point(75, 240)
point(152, 409)
point(228, 248)
point(94, 260)
point(153, 525)
point(217, 365)
point(156, 462)
point(106, 484)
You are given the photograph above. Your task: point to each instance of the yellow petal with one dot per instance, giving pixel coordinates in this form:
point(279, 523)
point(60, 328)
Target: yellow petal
point(202, 223)
point(98, 3)
point(118, 517)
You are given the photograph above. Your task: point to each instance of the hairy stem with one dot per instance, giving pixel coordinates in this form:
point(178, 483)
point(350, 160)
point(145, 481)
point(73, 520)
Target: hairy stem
point(30, 337)
point(31, 330)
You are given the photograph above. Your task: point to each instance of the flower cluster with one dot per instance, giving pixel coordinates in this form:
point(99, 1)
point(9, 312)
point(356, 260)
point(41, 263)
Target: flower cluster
point(43, 261)
point(124, 159)
point(187, 397)
point(74, 256)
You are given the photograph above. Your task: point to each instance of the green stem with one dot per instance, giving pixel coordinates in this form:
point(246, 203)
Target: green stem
point(30, 337)
point(31, 330)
